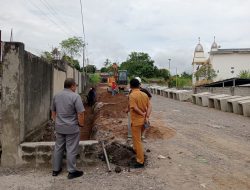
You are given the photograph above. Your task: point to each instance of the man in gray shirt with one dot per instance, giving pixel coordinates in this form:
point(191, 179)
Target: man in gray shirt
point(68, 113)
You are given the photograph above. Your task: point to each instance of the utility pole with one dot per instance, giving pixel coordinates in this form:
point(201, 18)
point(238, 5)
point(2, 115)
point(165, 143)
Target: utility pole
point(87, 63)
point(83, 52)
point(86, 55)
point(11, 35)
point(1, 70)
point(176, 78)
point(0, 46)
point(169, 65)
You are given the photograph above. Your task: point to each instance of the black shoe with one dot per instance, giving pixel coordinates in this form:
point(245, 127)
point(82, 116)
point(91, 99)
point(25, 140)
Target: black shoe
point(136, 165)
point(75, 174)
point(56, 173)
point(131, 149)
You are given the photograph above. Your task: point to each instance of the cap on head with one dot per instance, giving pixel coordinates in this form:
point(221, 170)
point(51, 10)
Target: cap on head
point(138, 78)
point(134, 83)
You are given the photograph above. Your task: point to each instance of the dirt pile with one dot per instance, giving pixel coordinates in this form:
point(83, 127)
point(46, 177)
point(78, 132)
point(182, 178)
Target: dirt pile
point(156, 131)
point(110, 116)
point(119, 154)
point(111, 120)
point(48, 133)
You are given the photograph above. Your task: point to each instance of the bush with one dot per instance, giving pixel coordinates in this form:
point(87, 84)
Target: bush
point(94, 79)
point(181, 82)
point(244, 74)
point(159, 81)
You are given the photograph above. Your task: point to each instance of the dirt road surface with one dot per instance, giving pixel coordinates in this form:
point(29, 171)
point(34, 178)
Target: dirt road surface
point(209, 149)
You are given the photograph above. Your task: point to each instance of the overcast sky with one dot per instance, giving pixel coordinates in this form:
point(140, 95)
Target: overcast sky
point(162, 28)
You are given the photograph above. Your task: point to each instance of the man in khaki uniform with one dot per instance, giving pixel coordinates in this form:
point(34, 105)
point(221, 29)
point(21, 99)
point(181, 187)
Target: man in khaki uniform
point(138, 104)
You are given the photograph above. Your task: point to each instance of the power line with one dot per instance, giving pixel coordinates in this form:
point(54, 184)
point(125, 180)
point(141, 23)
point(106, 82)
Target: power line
point(50, 7)
point(49, 18)
point(55, 14)
point(51, 13)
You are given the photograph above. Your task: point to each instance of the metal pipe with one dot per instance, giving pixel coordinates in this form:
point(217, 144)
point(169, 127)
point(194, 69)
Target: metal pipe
point(106, 156)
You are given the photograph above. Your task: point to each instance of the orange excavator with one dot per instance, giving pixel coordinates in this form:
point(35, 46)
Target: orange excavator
point(120, 77)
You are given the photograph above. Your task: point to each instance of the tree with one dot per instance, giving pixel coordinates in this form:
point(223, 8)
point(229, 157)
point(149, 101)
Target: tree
point(47, 56)
point(104, 70)
point(186, 75)
point(156, 71)
point(139, 64)
point(206, 72)
point(244, 74)
point(72, 46)
point(108, 67)
point(164, 73)
point(107, 63)
point(73, 62)
point(90, 68)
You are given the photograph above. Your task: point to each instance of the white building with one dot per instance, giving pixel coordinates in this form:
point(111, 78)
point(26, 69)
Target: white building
point(198, 60)
point(227, 63)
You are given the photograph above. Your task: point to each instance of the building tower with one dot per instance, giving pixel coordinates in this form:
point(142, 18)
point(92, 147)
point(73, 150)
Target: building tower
point(214, 46)
point(198, 60)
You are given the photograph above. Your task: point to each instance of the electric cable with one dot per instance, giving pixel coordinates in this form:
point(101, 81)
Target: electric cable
point(50, 19)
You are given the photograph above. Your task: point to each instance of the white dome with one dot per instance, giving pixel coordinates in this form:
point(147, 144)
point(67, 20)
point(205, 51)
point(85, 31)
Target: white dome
point(214, 45)
point(199, 48)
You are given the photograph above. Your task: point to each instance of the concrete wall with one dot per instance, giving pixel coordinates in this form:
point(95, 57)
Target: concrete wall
point(60, 75)
point(70, 72)
point(242, 91)
point(28, 85)
point(234, 91)
point(37, 94)
point(85, 84)
point(58, 80)
point(229, 65)
point(0, 99)
point(80, 83)
point(76, 77)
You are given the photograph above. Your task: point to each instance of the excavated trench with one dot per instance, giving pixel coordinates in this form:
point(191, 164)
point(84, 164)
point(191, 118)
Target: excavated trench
point(107, 121)
point(85, 132)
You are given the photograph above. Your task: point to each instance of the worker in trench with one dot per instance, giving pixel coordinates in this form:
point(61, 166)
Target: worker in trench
point(91, 97)
point(138, 107)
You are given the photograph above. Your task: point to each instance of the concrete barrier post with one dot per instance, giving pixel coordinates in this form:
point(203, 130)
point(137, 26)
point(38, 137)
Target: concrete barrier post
point(12, 102)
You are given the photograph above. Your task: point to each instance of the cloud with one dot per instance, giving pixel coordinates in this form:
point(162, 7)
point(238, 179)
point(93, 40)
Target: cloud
point(163, 28)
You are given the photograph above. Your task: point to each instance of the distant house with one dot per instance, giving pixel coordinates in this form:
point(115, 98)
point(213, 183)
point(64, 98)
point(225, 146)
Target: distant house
point(227, 63)
point(104, 77)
